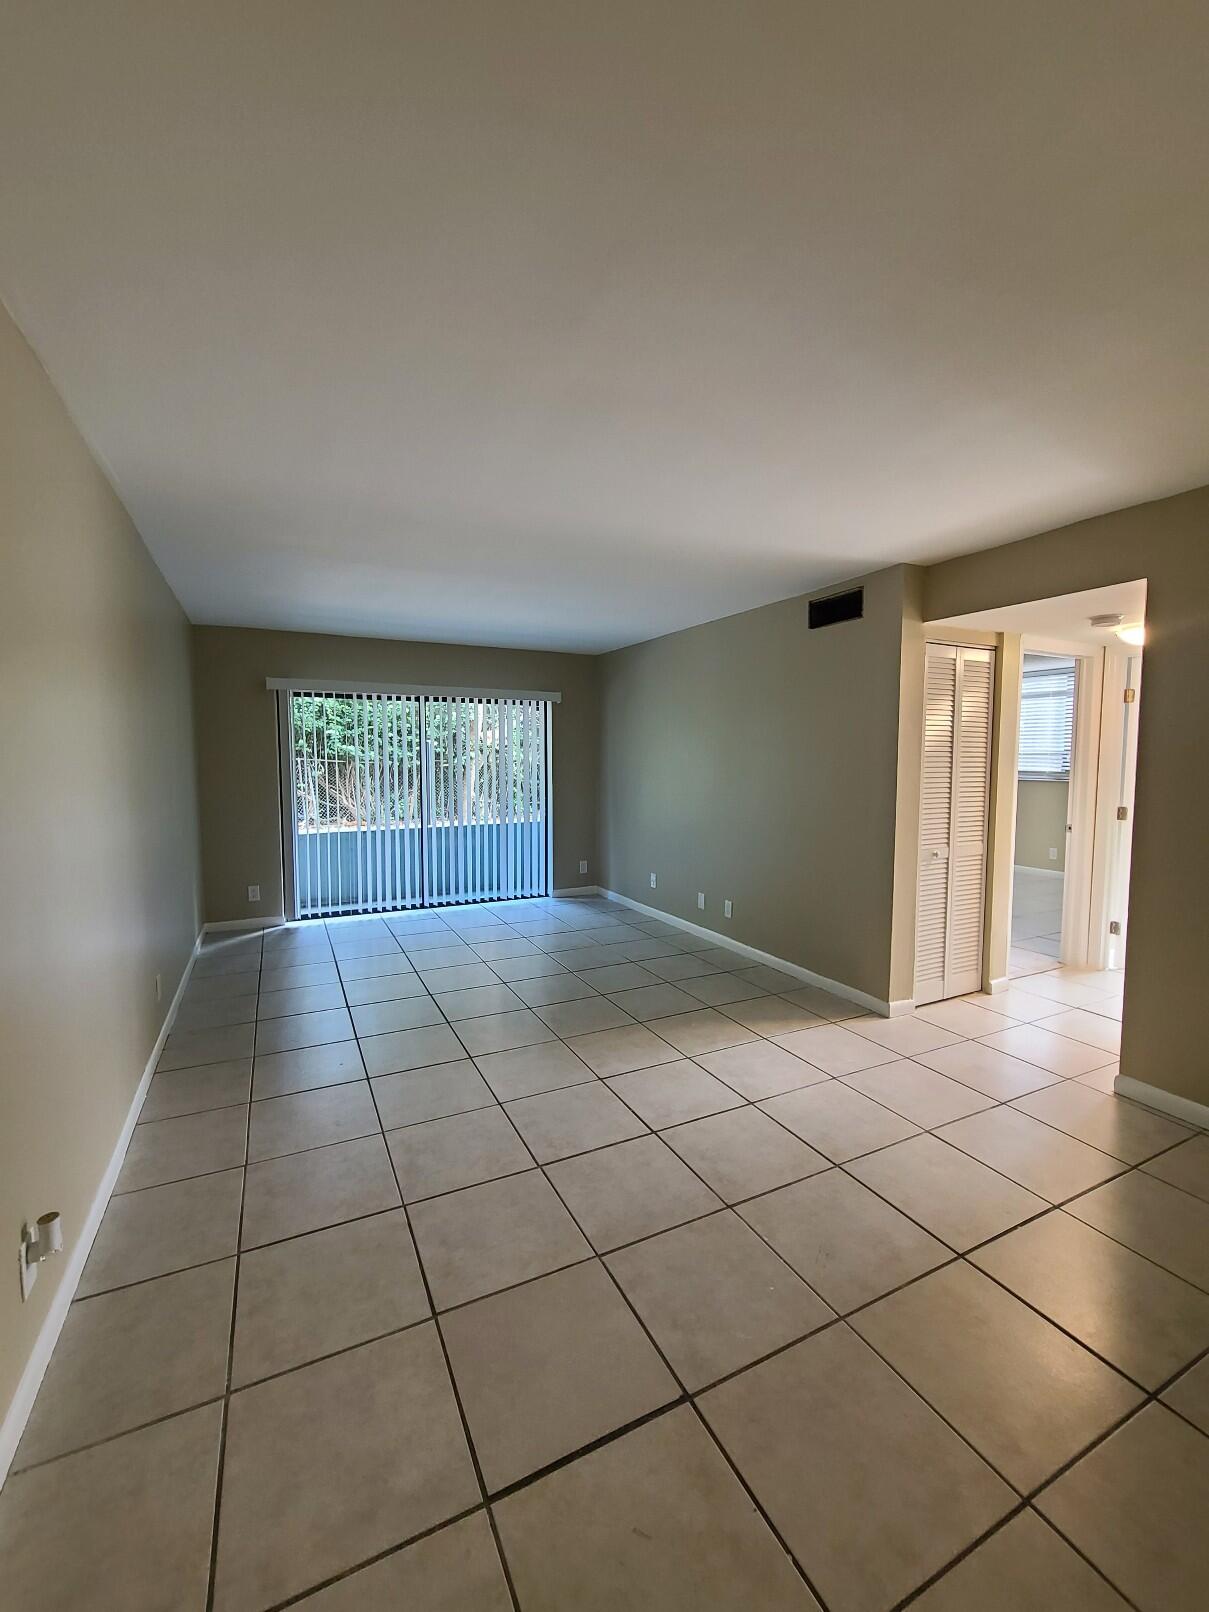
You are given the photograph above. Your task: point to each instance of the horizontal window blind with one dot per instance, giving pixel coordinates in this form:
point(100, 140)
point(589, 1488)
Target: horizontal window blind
point(405, 800)
point(1047, 719)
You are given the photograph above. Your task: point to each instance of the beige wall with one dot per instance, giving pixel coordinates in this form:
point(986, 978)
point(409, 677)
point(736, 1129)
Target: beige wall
point(98, 859)
point(756, 760)
point(237, 742)
point(1167, 543)
point(1040, 824)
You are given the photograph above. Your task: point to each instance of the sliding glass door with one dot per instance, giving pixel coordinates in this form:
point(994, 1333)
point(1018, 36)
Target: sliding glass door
point(401, 800)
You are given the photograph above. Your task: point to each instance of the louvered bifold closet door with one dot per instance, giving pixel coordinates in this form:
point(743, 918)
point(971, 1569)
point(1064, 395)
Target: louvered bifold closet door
point(935, 813)
point(356, 787)
point(971, 802)
point(959, 687)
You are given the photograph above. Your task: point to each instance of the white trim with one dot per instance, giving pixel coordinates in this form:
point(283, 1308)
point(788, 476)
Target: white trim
point(1047, 873)
point(1003, 983)
point(1081, 808)
point(287, 781)
point(328, 685)
point(1039, 644)
point(850, 993)
point(1081, 794)
point(581, 890)
point(1166, 1102)
point(272, 922)
point(1112, 848)
point(22, 1402)
point(549, 802)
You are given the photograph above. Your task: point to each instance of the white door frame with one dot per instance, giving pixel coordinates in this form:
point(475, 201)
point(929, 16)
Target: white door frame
point(1115, 788)
point(1081, 806)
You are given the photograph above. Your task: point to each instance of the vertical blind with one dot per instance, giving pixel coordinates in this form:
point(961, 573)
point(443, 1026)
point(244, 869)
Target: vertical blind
point(407, 800)
point(1047, 717)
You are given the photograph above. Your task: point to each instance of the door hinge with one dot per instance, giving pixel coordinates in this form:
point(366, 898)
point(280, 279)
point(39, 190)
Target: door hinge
point(1131, 695)
point(1114, 927)
point(1122, 814)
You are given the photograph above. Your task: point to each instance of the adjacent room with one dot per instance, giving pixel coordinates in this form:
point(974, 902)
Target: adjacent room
point(601, 948)
point(1043, 763)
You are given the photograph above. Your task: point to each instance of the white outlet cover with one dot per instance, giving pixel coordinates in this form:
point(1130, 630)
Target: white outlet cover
point(253, 892)
point(653, 881)
point(27, 1273)
point(726, 909)
point(701, 900)
point(583, 867)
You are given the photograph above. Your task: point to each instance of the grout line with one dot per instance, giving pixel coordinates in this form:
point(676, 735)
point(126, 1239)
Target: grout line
point(843, 1320)
point(223, 1424)
point(1149, 1397)
point(696, 1410)
point(678, 1401)
point(457, 1397)
point(995, 1528)
point(112, 1438)
point(379, 1556)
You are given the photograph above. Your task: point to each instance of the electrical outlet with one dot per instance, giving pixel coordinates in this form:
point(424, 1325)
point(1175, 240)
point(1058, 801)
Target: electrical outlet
point(700, 900)
point(27, 1275)
point(253, 892)
point(38, 1242)
point(1053, 853)
point(583, 867)
point(652, 881)
point(727, 908)
point(159, 987)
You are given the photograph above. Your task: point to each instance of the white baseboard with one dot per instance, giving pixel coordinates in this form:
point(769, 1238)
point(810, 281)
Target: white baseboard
point(1049, 873)
point(244, 923)
point(1166, 1102)
point(1003, 983)
point(580, 890)
point(18, 1411)
point(807, 976)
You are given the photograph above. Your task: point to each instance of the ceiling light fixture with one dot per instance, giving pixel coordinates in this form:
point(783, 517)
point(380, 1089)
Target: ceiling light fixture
point(1135, 633)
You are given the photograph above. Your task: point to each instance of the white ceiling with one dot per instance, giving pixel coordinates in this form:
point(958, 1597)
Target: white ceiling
point(1066, 616)
point(564, 324)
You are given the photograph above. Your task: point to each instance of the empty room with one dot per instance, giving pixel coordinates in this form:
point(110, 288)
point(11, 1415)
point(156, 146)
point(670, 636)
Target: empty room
point(605, 725)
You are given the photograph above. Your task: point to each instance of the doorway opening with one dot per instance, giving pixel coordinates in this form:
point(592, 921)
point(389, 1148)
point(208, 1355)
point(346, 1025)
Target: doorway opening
point(1042, 826)
point(1065, 733)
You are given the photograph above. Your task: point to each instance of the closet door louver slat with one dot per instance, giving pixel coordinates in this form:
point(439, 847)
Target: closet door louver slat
point(953, 820)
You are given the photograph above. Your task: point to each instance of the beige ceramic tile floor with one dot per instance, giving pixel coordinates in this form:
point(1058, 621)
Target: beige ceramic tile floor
point(544, 1256)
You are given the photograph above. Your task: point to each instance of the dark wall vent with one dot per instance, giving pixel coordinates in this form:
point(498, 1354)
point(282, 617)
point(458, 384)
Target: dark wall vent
point(833, 607)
